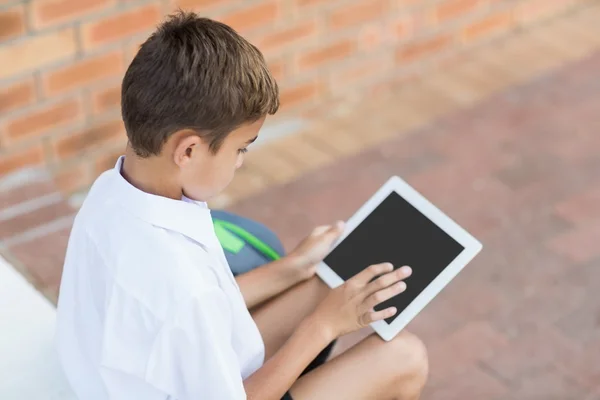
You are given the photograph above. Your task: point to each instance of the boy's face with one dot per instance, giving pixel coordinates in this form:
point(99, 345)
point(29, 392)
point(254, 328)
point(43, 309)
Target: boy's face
point(203, 174)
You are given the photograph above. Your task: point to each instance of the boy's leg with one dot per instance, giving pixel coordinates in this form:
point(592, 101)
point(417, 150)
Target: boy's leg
point(278, 318)
point(373, 369)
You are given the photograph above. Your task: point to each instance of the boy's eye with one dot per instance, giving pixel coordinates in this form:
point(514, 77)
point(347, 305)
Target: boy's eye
point(242, 151)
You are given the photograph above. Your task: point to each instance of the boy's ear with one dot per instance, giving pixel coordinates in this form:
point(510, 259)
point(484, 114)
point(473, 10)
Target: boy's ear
point(186, 145)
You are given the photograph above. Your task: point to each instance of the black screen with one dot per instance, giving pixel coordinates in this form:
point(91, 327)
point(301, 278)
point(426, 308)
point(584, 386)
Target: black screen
point(396, 232)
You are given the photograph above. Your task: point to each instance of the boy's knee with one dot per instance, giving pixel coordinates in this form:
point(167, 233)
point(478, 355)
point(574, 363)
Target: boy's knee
point(410, 358)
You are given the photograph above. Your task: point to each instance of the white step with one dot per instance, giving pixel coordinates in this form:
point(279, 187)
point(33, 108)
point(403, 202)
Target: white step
point(29, 368)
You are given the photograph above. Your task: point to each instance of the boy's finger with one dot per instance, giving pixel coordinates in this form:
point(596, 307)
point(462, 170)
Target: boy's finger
point(387, 280)
point(383, 295)
point(336, 229)
point(333, 233)
point(319, 230)
point(373, 316)
point(365, 276)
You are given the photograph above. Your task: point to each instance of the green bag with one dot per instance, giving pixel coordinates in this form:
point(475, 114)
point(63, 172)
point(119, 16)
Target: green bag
point(233, 238)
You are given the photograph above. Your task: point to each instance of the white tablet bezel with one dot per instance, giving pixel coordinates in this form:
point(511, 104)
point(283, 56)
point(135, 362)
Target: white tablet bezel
point(471, 247)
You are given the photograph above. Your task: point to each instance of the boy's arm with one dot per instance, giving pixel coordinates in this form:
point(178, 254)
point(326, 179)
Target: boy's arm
point(346, 309)
point(280, 372)
point(269, 280)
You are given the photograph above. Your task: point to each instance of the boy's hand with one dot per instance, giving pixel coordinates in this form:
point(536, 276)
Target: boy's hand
point(311, 251)
point(351, 306)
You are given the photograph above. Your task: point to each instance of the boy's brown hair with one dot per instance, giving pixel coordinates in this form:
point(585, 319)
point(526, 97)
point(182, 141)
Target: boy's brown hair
point(194, 73)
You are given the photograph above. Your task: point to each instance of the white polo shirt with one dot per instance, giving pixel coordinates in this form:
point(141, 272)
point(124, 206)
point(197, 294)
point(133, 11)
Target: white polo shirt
point(148, 307)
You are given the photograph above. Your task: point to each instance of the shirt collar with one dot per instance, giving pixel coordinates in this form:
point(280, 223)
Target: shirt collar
point(188, 217)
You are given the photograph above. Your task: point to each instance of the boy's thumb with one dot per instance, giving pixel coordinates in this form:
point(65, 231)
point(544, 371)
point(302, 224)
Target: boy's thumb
point(336, 229)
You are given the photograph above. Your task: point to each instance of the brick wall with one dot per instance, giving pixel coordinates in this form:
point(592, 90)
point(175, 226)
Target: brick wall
point(61, 61)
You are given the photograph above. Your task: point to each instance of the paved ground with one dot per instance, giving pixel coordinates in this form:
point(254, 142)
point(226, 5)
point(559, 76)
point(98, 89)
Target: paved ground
point(522, 172)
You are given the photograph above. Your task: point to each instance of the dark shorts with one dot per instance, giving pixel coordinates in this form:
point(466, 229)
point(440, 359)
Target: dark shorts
point(317, 362)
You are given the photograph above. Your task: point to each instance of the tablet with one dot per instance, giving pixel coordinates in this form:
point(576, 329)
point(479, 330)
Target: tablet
point(398, 225)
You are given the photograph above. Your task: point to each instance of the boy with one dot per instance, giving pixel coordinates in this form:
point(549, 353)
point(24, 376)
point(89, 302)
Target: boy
point(148, 307)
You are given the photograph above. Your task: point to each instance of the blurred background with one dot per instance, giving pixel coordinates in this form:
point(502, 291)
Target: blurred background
point(488, 107)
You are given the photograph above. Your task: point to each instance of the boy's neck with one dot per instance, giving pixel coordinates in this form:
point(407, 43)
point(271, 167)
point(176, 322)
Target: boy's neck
point(151, 175)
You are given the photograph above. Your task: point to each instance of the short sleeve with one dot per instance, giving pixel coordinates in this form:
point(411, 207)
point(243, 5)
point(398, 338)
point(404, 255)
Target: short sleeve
point(192, 357)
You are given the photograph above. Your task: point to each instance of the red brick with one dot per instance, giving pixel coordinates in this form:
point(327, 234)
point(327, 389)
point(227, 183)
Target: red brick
point(475, 341)
point(529, 170)
point(361, 70)
point(198, 4)
point(460, 296)
point(260, 15)
point(17, 95)
point(16, 160)
point(432, 325)
point(21, 193)
point(372, 37)
point(43, 119)
point(120, 26)
point(581, 325)
point(277, 69)
point(24, 222)
point(532, 10)
point(287, 36)
point(106, 99)
point(582, 207)
point(12, 22)
point(401, 28)
point(450, 9)
point(72, 178)
point(309, 3)
point(83, 73)
point(580, 244)
point(43, 257)
point(49, 12)
point(472, 383)
point(531, 352)
point(107, 161)
point(489, 25)
point(547, 384)
point(78, 143)
point(583, 366)
point(407, 3)
point(37, 51)
point(360, 13)
point(131, 50)
point(423, 48)
point(327, 54)
point(299, 94)
point(545, 293)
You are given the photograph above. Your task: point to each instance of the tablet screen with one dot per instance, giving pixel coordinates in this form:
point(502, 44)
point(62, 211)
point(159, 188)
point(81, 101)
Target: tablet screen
point(396, 232)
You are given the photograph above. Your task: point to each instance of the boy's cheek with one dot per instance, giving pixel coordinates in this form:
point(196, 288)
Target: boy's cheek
point(240, 161)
